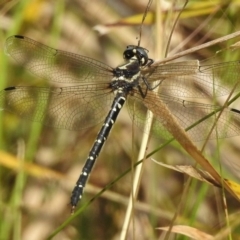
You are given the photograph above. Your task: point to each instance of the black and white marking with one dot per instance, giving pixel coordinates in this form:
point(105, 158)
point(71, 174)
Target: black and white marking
point(97, 146)
point(94, 89)
point(126, 78)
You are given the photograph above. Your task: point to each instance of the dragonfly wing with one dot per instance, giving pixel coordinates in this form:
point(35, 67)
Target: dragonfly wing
point(187, 114)
point(138, 113)
point(189, 79)
point(202, 119)
point(72, 108)
point(56, 65)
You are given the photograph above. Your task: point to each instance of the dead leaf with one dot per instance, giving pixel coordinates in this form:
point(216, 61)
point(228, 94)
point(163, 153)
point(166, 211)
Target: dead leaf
point(201, 175)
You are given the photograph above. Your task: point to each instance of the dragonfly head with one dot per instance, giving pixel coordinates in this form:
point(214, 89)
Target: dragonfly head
point(136, 52)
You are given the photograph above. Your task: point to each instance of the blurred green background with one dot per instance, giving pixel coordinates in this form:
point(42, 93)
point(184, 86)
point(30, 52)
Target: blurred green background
point(34, 198)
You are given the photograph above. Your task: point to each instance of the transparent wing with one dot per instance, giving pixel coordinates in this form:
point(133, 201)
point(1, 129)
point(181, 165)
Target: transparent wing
point(187, 113)
point(73, 108)
point(55, 65)
point(189, 79)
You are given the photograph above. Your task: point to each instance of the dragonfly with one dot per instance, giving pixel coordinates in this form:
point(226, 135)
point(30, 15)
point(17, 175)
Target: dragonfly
point(83, 92)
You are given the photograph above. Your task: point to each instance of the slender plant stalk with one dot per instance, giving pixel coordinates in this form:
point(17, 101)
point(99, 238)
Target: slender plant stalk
point(129, 216)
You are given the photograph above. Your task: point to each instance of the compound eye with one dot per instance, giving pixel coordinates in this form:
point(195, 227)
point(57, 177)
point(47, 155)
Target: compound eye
point(128, 53)
point(142, 56)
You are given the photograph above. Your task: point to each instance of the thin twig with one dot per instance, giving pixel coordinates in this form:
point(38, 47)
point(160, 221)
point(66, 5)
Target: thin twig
point(197, 48)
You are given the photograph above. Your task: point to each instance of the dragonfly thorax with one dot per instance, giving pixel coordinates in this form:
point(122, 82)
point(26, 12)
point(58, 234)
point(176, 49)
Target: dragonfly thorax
point(126, 76)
